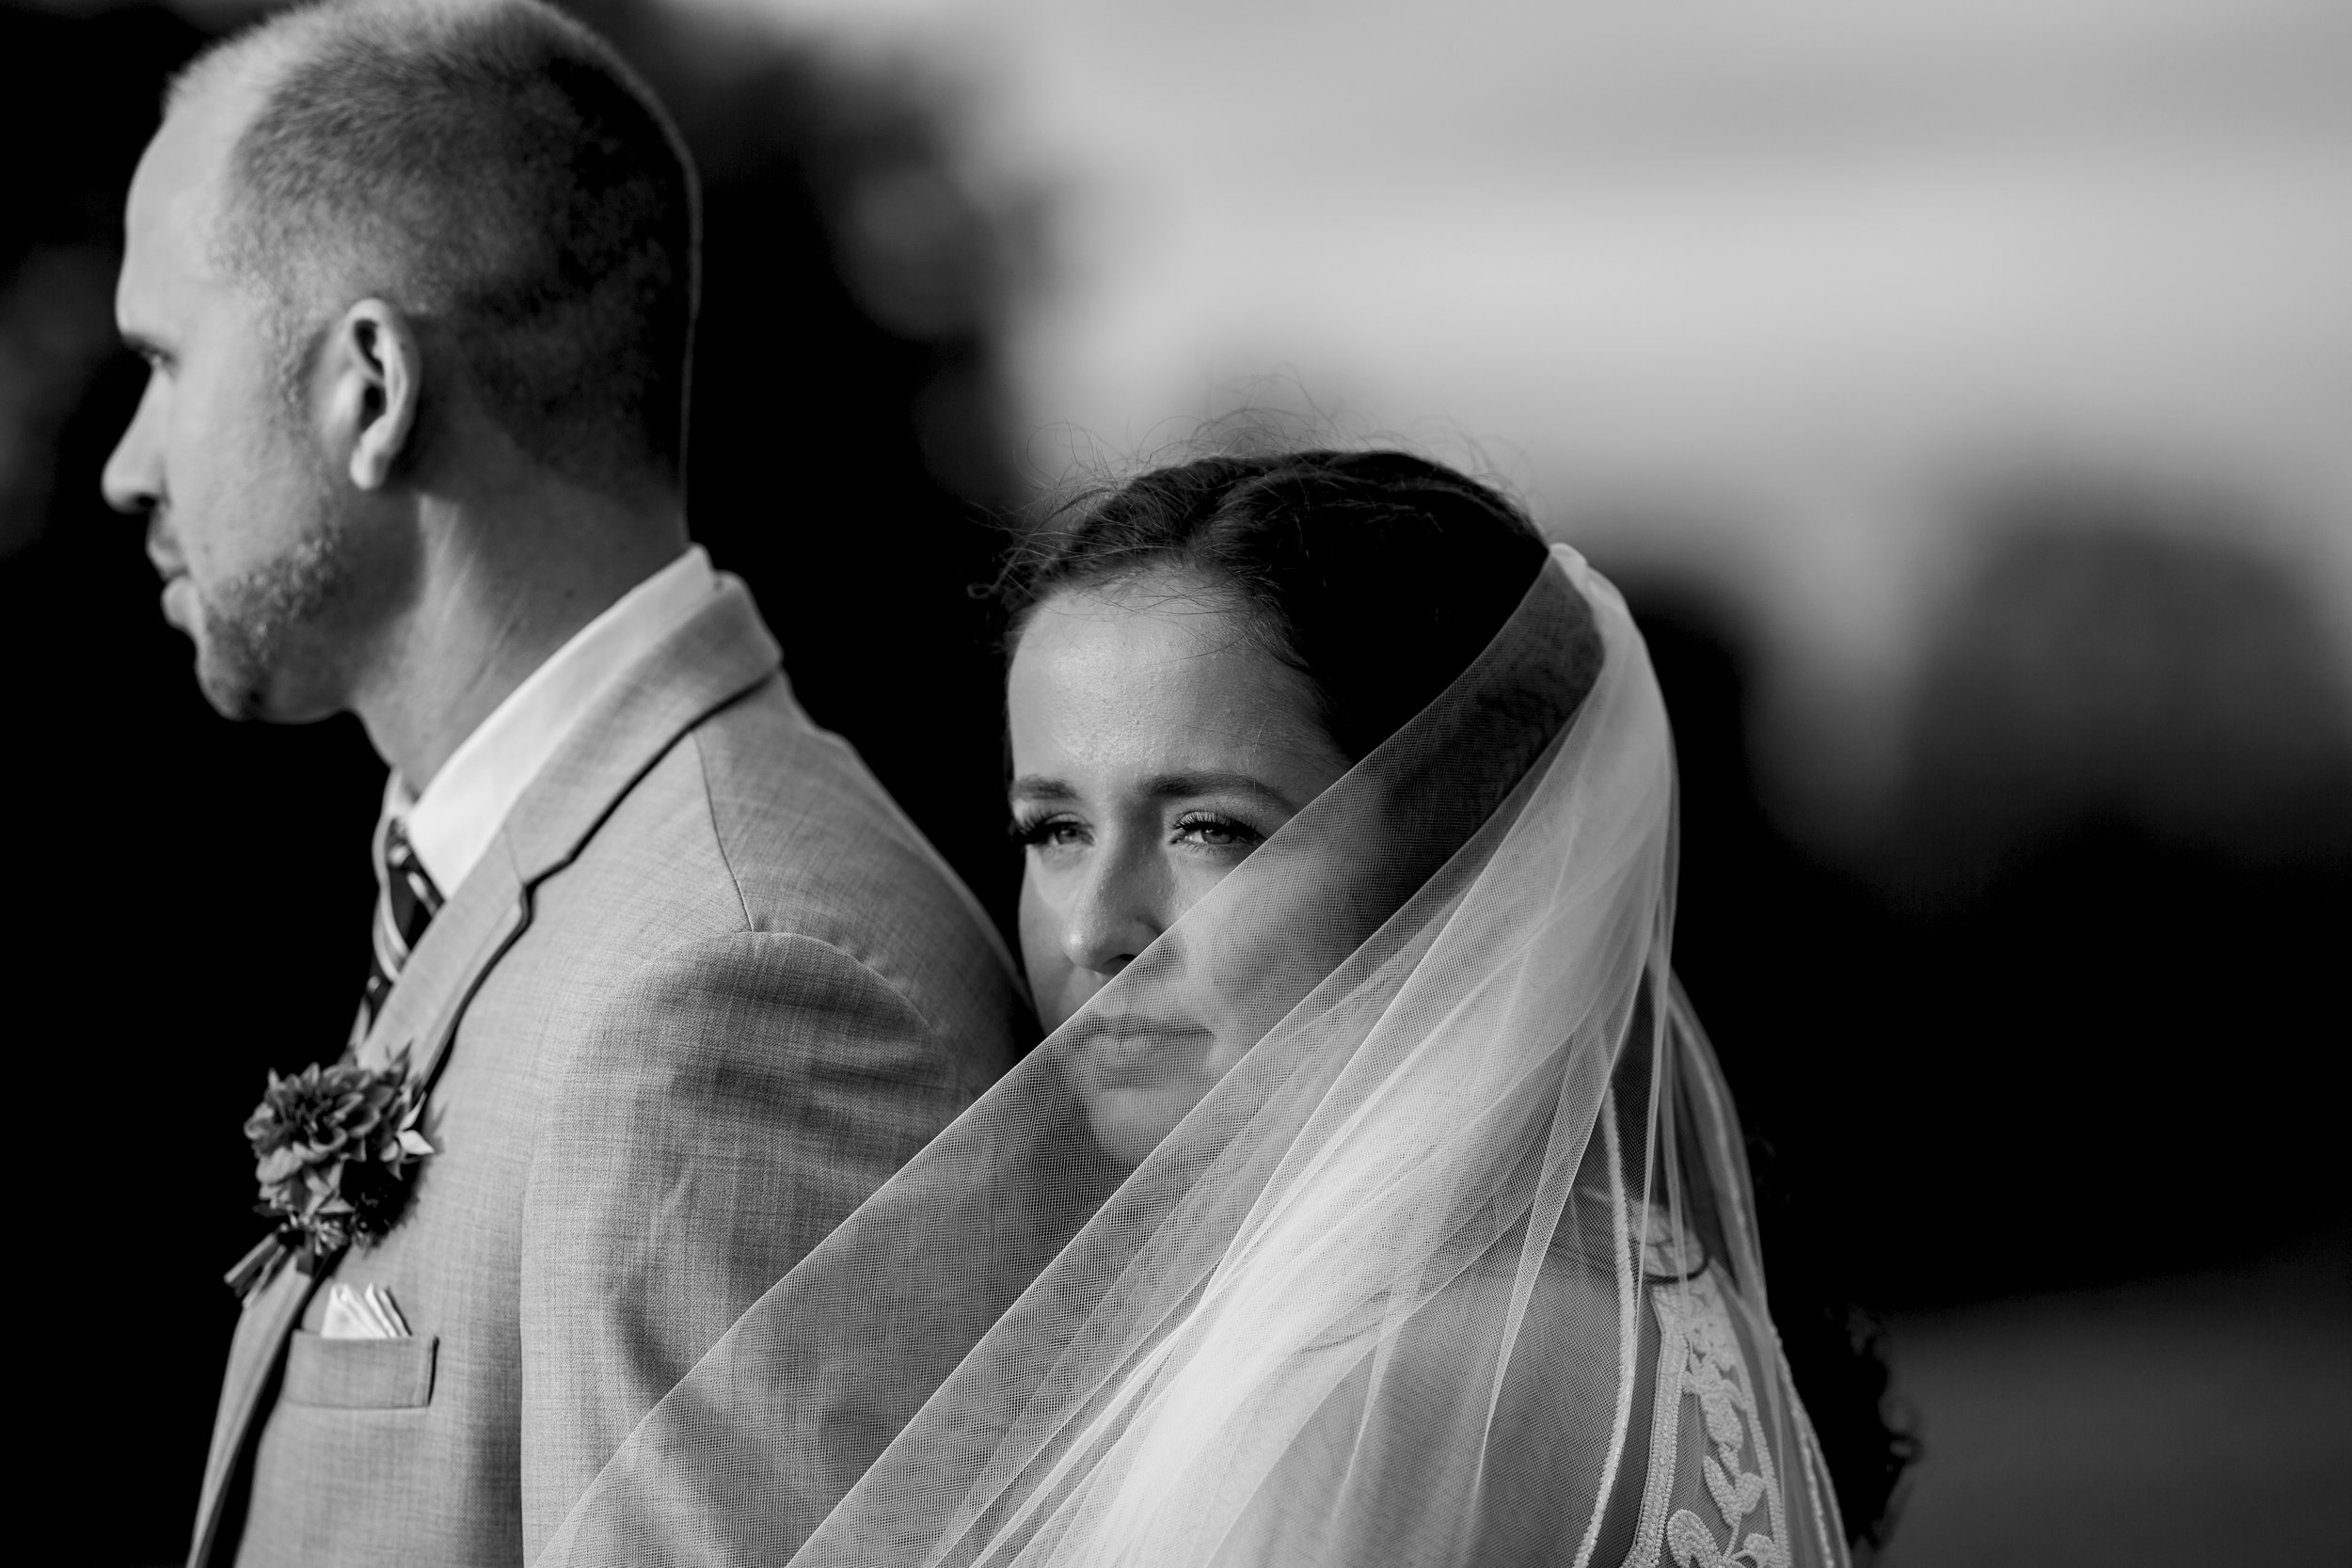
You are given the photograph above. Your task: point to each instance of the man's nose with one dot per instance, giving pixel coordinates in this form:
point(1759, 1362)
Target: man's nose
point(1115, 916)
point(133, 480)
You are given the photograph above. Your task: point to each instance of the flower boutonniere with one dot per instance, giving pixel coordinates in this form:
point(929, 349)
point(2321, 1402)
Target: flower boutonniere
point(334, 1148)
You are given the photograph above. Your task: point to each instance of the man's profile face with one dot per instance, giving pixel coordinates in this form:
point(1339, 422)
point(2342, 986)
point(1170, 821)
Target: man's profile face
point(240, 501)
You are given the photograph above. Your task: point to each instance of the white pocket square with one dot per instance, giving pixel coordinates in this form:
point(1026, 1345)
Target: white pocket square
point(364, 1313)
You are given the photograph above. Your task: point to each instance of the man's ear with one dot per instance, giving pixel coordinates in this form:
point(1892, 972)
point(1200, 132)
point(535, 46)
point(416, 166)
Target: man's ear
point(375, 374)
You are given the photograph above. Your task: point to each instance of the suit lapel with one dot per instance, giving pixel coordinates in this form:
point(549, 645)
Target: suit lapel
point(254, 1355)
point(714, 658)
point(420, 1016)
point(449, 963)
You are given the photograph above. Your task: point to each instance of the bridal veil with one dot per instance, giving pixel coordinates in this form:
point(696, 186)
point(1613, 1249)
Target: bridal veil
point(1450, 1257)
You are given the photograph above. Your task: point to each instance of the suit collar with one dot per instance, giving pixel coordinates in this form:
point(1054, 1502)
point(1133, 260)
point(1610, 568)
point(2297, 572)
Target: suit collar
point(721, 652)
point(453, 820)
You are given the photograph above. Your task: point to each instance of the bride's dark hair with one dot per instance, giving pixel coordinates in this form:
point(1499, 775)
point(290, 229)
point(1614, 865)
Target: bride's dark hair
point(1377, 576)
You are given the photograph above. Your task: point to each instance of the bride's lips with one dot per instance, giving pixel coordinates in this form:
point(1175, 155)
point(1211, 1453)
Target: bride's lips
point(1111, 1052)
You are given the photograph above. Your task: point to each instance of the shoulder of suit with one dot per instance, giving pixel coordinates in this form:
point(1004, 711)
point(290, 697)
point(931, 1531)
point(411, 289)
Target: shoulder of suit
point(809, 831)
point(771, 772)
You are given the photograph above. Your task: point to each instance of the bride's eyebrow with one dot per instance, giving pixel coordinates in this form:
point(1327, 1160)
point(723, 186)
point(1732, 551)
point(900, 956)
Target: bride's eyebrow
point(1163, 786)
point(1167, 786)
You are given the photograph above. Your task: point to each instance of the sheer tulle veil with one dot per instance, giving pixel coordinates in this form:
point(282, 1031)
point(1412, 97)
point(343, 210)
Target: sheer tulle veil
point(1450, 1257)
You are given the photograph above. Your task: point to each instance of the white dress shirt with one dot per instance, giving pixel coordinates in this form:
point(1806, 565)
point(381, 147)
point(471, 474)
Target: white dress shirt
point(452, 823)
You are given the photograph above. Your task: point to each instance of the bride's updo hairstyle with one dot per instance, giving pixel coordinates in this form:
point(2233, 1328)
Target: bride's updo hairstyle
point(1377, 575)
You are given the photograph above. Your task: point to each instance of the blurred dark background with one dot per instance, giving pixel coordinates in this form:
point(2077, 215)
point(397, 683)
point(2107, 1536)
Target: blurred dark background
point(2039, 1077)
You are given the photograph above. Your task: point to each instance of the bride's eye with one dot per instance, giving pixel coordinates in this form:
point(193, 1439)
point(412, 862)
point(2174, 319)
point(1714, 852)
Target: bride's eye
point(1051, 830)
point(1212, 832)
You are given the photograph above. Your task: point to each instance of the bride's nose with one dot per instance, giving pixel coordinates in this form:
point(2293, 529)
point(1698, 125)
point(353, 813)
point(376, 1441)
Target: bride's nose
point(1115, 915)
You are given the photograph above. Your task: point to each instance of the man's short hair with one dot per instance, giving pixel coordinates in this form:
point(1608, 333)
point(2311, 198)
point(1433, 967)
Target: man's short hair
point(491, 166)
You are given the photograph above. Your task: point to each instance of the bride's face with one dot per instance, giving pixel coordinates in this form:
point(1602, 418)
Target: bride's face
point(1154, 746)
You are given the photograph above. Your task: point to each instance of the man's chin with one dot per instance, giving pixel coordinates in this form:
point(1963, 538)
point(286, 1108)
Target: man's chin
point(232, 692)
point(241, 686)
point(270, 643)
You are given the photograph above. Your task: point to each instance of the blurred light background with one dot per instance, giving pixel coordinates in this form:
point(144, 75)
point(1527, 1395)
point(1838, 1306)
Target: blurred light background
point(1964, 398)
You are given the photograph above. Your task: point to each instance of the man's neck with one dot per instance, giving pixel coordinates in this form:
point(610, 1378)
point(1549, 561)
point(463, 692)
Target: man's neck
point(499, 599)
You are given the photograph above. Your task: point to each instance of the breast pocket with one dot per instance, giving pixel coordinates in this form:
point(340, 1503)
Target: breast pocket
point(361, 1374)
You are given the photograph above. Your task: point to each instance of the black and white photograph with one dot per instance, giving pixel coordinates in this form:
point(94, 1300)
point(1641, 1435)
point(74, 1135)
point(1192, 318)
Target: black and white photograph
point(1051, 783)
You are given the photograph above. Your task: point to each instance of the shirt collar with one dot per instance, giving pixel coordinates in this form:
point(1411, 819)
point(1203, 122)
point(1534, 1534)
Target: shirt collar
point(452, 822)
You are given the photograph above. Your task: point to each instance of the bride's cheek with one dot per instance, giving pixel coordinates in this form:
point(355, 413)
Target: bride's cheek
point(1196, 875)
point(1040, 934)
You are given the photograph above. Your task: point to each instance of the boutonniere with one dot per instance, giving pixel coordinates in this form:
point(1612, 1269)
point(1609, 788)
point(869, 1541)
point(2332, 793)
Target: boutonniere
point(335, 1147)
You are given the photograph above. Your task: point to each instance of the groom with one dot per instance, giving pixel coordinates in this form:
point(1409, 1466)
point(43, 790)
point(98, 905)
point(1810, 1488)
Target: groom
point(664, 986)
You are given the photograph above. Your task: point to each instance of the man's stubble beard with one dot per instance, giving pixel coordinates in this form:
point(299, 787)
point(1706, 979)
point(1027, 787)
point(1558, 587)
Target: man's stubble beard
point(267, 647)
point(274, 643)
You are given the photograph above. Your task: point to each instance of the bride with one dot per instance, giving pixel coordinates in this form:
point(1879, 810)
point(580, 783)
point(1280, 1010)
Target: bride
point(1374, 1197)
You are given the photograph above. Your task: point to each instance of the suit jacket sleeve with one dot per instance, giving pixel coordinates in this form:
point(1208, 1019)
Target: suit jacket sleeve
point(739, 1099)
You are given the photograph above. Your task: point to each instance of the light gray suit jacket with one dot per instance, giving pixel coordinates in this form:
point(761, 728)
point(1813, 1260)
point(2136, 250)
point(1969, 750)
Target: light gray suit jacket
point(706, 991)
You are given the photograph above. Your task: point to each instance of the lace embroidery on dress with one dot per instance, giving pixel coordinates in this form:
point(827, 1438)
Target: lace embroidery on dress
point(1699, 1355)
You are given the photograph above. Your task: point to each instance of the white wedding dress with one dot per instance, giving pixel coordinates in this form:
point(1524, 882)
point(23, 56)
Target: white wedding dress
point(1456, 1264)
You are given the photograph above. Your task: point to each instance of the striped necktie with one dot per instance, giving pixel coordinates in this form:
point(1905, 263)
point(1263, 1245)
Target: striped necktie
point(405, 903)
